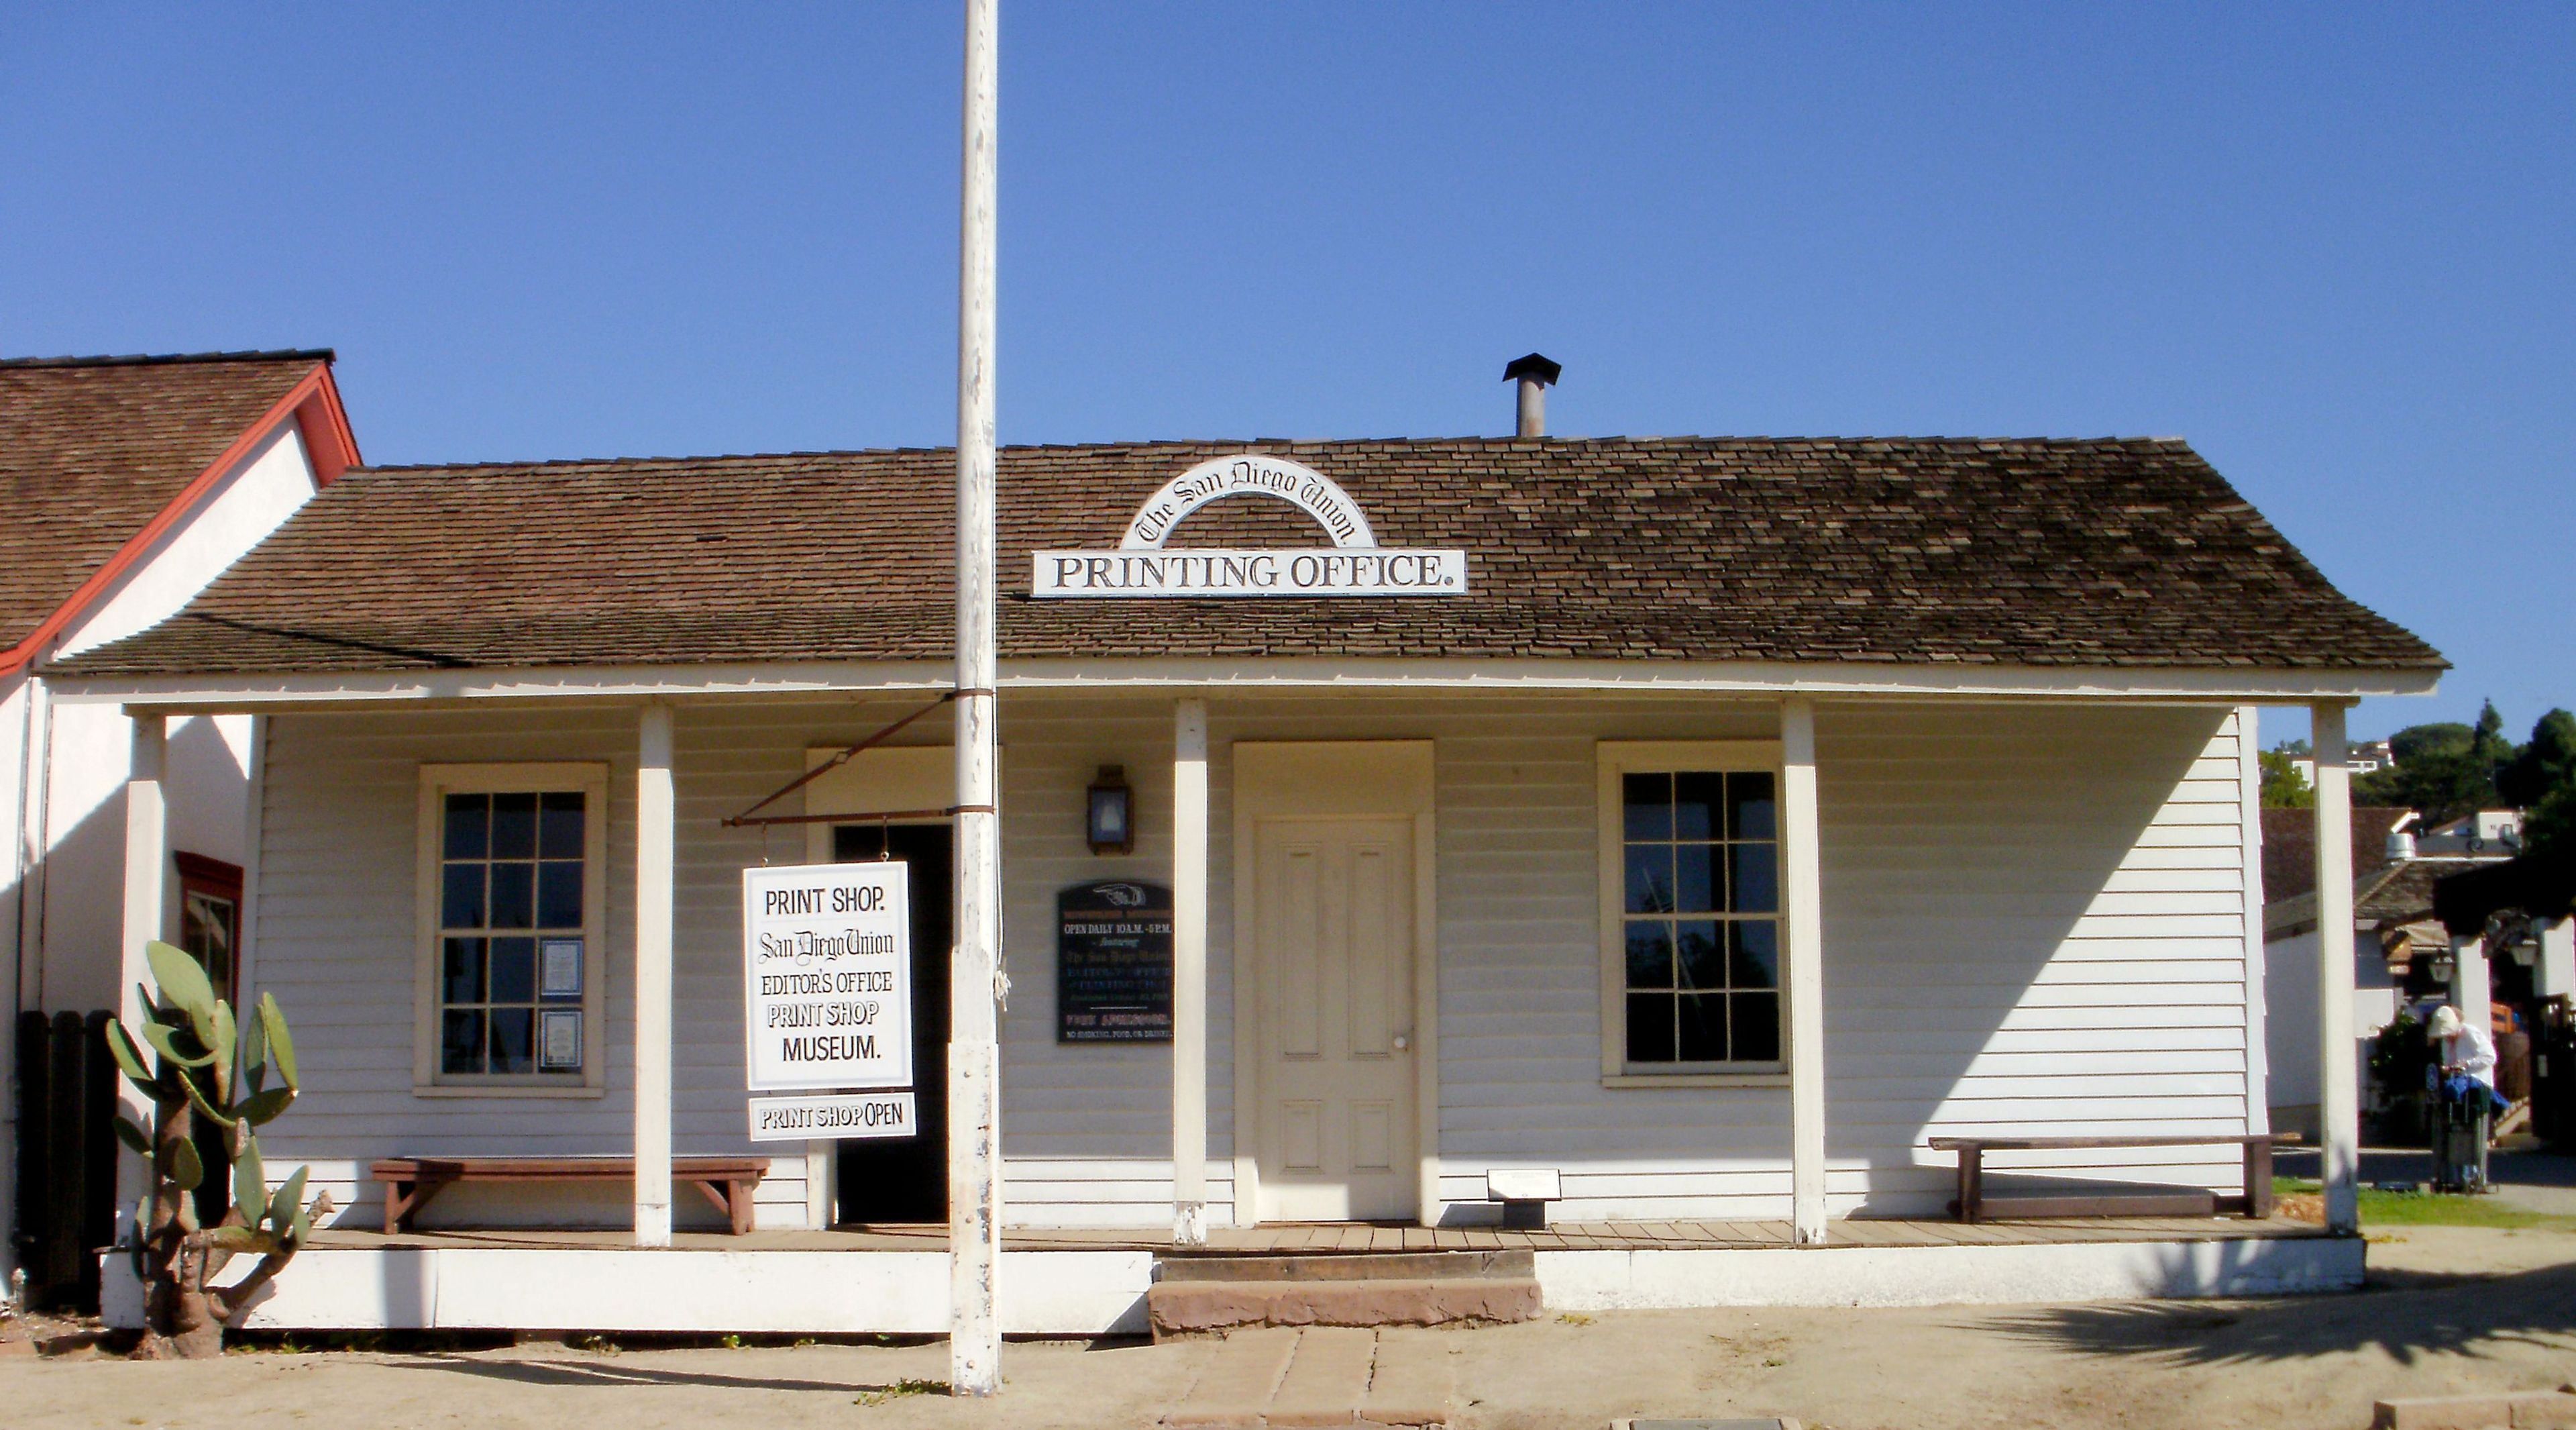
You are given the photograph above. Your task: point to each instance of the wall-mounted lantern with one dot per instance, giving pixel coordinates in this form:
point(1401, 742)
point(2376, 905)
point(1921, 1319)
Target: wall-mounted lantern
point(2443, 967)
point(1109, 811)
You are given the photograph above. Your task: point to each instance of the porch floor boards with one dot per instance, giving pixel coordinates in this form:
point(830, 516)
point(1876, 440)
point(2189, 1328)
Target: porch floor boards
point(1354, 1237)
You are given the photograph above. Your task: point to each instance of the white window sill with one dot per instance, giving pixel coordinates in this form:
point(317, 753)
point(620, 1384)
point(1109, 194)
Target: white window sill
point(1696, 1079)
point(506, 1089)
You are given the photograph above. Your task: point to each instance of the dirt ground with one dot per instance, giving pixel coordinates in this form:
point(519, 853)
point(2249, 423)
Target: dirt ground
point(2449, 1310)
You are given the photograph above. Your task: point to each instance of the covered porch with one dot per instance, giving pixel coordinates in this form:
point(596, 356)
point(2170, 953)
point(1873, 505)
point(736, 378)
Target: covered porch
point(1506, 798)
point(1075, 1282)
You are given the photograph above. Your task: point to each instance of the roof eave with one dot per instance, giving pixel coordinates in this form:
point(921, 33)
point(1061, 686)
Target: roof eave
point(1856, 680)
point(330, 447)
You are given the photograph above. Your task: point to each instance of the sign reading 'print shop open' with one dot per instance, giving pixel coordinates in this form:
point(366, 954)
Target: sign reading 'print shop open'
point(1354, 565)
point(827, 963)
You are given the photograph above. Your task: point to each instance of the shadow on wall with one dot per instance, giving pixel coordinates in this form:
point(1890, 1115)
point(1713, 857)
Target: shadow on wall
point(396, 1289)
point(209, 791)
point(2404, 1315)
point(80, 877)
point(1960, 854)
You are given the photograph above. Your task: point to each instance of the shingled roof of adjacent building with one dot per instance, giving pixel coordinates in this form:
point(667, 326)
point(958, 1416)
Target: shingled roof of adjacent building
point(2058, 553)
point(92, 449)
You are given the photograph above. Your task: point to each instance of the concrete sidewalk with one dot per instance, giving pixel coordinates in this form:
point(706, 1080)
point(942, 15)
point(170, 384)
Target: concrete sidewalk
point(2451, 1311)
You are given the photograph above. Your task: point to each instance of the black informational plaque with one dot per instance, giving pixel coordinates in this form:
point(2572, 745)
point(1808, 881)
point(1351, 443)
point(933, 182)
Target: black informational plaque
point(1113, 963)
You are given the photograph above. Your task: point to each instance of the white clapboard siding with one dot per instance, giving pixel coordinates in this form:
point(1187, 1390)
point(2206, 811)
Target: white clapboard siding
point(2078, 969)
point(2033, 920)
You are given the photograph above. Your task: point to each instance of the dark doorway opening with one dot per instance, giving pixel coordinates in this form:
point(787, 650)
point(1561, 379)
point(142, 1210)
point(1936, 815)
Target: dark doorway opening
point(907, 1180)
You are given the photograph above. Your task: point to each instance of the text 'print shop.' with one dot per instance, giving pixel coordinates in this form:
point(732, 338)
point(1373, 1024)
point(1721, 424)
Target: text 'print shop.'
point(1649, 864)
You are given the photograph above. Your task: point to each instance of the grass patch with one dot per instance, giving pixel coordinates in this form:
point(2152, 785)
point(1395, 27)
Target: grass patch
point(2380, 1208)
point(902, 1388)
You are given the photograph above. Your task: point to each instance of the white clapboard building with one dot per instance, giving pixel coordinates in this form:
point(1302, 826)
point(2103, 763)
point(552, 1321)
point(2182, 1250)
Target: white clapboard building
point(126, 485)
point(1625, 856)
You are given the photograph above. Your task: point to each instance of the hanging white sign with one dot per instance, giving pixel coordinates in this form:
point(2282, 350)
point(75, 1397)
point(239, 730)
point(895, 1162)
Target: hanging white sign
point(827, 966)
point(834, 1117)
point(1354, 565)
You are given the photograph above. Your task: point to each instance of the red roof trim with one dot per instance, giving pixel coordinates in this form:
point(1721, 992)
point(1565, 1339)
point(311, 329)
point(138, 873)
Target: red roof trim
point(314, 403)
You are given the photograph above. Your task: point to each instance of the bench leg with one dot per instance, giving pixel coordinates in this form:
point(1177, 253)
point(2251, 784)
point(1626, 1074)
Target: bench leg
point(2258, 1180)
point(715, 1192)
point(732, 1197)
point(404, 1199)
point(1972, 1184)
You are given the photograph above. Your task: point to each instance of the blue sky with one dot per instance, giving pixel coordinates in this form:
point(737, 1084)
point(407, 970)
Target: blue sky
point(2331, 246)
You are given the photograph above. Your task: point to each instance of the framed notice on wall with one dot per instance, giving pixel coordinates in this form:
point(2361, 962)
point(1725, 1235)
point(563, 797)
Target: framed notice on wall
point(827, 967)
point(1113, 963)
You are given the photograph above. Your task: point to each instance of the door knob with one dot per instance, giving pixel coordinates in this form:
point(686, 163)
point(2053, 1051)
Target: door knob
point(1402, 1042)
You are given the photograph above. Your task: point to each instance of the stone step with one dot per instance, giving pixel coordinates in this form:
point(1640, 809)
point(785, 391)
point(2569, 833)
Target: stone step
point(1356, 1266)
point(1178, 1308)
point(1271, 1377)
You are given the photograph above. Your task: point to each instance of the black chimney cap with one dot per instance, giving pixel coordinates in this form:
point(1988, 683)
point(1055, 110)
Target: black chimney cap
point(1533, 366)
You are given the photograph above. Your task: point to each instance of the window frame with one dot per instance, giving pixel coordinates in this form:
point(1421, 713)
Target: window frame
point(437, 782)
point(1615, 760)
point(221, 881)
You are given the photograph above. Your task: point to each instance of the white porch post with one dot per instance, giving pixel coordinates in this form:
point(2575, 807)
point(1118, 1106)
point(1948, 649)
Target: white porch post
point(975, 968)
point(653, 852)
point(2471, 988)
point(147, 863)
point(2338, 1090)
point(1801, 885)
point(1189, 971)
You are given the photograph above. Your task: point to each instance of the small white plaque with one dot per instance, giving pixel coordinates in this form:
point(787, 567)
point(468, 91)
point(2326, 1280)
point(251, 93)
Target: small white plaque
point(559, 1040)
point(1521, 1184)
point(559, 967)
point(832, 1117)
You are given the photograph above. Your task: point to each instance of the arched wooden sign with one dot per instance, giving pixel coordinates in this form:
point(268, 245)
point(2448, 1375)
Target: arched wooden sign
point(1354, 565)
point(1217, 478)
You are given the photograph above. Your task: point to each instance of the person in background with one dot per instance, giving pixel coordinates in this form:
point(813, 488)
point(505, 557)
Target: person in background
point(2513, 1052)
point(2464, 1052)
point(2463, 1078)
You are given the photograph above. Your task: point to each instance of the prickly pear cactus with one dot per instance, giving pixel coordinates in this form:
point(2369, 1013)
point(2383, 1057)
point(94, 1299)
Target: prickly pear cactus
point(192, 1060)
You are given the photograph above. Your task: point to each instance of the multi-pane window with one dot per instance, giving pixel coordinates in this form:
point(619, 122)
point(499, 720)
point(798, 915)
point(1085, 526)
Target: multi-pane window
point(513, 881)
point(1699, 917)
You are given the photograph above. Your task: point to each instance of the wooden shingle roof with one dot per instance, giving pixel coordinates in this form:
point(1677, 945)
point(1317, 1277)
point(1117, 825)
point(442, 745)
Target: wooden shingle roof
point(2053, 553)
point(92, 449)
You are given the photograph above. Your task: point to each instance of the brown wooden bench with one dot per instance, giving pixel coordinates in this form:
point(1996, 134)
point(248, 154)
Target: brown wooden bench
point(410, 1182)
point(1974, 1205)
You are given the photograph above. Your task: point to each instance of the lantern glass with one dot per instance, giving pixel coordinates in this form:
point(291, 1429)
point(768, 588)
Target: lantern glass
point(1108, 823)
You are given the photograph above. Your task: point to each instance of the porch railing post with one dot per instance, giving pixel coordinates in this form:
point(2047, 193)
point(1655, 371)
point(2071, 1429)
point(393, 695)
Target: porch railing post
point(147, 892)
point(2472, 988)
point(2338, 1090)
point(653, 854)
point(1802, 901)
point(1189, 971)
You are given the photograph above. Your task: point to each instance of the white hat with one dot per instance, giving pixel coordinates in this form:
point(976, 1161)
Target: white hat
point(2446, 1022)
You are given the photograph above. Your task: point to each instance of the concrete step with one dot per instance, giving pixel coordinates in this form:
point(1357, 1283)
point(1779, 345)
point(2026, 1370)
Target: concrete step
point(1357, 1266)
point(1272, 1377)
point(1197, 1307)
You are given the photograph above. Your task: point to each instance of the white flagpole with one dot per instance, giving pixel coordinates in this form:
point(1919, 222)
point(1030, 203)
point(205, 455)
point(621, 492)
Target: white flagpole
point(974, 1050)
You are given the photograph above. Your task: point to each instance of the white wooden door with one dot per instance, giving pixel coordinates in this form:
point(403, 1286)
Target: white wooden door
point(1335, 953)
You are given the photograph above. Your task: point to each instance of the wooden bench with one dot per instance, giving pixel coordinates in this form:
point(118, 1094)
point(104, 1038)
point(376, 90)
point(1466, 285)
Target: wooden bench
point(1974, 1205)
point(410, 1182)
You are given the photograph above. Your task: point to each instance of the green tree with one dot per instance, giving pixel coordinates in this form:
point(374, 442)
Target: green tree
point(2542, 781)
point(2283, 786)
point(2441, 771)
point(2543, 765)
point(2420, 742)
